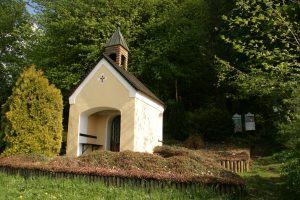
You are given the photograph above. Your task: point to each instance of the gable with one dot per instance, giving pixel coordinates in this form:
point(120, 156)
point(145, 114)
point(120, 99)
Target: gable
point(104, 72)
point(134, 82)
point(129, 81)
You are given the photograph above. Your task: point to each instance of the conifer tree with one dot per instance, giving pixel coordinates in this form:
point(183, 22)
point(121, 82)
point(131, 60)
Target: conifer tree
point(32, 116)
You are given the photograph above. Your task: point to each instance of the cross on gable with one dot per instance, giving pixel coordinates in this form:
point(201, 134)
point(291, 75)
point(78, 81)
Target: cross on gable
point(102, 78)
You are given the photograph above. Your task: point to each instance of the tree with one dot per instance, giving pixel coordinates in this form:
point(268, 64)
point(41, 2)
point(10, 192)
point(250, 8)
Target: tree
point(290, 137)
point(75, 33)
point(16, 37)
point(32, 116)
point(171, 43)
point(263, 69)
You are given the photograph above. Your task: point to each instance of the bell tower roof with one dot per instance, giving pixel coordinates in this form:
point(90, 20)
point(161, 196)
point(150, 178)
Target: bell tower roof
point(117, 39)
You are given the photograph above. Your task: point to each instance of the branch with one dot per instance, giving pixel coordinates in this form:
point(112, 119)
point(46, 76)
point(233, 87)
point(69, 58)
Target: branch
point(289, 28)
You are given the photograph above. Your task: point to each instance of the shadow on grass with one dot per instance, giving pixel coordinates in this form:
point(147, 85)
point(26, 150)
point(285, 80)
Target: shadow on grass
point(264, 187)
point(264, 181)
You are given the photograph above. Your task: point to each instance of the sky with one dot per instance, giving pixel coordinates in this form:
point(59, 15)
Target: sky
point(30, 9)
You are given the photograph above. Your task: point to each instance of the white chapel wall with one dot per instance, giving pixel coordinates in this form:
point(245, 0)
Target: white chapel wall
point(148, 124)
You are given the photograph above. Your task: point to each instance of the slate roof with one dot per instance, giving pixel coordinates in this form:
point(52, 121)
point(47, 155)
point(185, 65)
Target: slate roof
point(132, 80)
point(117, 39)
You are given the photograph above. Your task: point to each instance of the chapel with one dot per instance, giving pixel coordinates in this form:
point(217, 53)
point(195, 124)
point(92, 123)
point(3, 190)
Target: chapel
point(111, 109)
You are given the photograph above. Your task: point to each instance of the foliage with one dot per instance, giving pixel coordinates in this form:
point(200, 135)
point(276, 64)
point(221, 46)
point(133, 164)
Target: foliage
point(171, 44)
point(266, 33)
point(289, 130)
point(176, 121)
point(212, 121)
point(32, 116)
point(16, 37)
point(263, 69)
point(291, 172)
point(75, 33)
point(42, 188)
point(290, 137)
point(194, 141)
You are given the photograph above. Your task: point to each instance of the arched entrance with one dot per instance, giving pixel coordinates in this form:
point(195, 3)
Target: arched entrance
point(115, 134)
point(99, 128)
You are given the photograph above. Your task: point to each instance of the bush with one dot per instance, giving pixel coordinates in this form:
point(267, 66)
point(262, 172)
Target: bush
point(32, 116)
point(194, 141)
point(176, 121)
point(214, 122)
point(291, 173)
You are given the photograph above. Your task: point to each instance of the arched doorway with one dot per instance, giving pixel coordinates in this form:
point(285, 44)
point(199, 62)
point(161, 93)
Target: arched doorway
point(99, 128)
point(115, 134)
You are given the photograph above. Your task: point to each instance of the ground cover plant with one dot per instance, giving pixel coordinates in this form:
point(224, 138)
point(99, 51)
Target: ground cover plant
point(42, 188)
point(186, 166)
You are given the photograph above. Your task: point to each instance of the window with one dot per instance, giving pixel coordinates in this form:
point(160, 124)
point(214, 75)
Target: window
point(123, 60)
point(113, 56)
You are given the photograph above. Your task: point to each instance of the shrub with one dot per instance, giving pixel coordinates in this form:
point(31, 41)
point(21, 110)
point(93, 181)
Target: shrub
point(289, 136)
point(194, 141)
point(32, 116)
point(291, 173)
point(176, 121)
point(214, 122)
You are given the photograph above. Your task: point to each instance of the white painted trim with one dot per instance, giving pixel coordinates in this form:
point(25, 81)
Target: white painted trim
point(149, 102)
point(78, 133)
point(102, 62)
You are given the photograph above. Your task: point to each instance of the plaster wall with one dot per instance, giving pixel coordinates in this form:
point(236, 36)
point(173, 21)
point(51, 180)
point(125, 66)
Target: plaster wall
point(94, 95)
point(148, 124)
point(97, 126)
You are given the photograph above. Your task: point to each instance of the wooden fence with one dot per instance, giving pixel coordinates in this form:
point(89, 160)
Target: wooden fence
point(237, 166)
point(147, 184)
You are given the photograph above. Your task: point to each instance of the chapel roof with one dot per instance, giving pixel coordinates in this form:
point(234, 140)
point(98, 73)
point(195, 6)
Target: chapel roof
point(117, 39)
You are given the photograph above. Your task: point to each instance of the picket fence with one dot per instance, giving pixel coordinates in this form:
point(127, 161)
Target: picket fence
point(237, 166)
point(148, 184)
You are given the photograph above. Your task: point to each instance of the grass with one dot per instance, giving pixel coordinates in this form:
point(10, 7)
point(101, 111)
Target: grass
point(42, 188)
point(264, 181)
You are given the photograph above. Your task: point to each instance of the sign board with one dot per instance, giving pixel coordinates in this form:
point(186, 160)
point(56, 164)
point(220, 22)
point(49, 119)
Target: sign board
point(249, 122)
point(237, 120)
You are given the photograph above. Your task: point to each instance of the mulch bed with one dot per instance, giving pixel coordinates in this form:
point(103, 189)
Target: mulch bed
point(171, 164)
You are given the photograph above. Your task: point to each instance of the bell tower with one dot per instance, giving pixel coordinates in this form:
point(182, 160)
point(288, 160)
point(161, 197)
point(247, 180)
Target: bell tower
point(116, 48)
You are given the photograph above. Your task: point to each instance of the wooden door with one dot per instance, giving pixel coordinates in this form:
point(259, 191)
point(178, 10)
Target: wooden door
point(115, 134)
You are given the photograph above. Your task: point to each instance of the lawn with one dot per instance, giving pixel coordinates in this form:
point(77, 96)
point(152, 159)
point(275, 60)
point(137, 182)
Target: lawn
point(264, 181)
point(16, 187)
